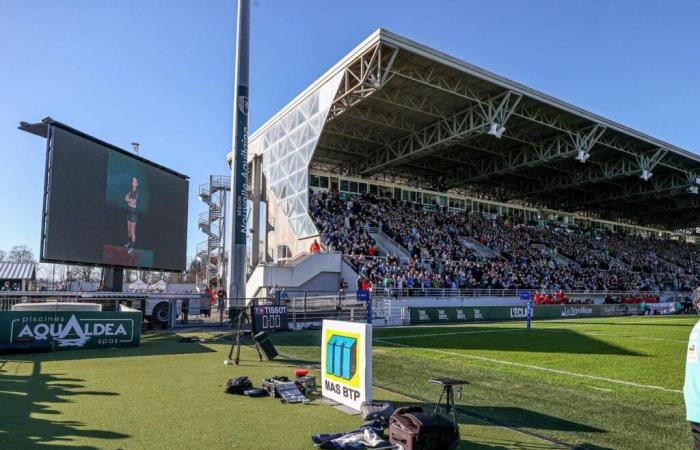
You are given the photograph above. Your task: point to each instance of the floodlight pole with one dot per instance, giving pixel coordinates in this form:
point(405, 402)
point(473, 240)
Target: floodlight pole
point(239, 179)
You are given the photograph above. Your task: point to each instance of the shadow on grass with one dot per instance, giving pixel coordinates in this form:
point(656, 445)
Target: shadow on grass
point(151, 345)
point(27, 394)
point(549, 340)
point(638, 323)
point(506, 339)
point(514, 418)
point(545, 340)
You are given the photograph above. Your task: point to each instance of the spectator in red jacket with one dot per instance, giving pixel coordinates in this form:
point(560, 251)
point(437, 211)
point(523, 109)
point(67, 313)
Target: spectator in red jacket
point(315, 246)
point(562, 299)
point(537, 298)
point(372, 250)
point(547, 299)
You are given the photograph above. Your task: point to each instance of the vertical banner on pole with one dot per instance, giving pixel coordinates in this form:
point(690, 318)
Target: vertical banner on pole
point(364, 296)
point(525, 295)
point(239, 179)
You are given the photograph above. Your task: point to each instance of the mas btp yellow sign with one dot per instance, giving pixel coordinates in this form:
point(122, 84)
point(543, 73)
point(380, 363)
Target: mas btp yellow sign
point(346, 358)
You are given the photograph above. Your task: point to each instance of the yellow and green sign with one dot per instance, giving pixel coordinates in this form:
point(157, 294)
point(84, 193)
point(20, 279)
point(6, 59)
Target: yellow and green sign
point(346, 359)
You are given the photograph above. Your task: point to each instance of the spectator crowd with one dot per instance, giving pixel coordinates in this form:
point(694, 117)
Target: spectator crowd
point(457, 249)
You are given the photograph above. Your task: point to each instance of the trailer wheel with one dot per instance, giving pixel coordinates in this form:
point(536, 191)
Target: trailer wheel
point(160, 314)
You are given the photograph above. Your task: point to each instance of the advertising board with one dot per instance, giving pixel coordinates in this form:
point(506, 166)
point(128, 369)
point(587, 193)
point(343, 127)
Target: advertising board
point(346, 362)
point(72, 329)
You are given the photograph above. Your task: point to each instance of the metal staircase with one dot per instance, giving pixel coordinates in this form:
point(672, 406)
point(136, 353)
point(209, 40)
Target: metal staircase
point(211, 253)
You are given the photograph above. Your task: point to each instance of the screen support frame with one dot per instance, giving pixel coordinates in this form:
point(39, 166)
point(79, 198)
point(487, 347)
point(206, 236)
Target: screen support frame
point(113, 279)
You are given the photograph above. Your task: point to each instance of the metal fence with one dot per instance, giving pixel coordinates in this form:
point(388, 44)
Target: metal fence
point(108, 302)
point(379, 291)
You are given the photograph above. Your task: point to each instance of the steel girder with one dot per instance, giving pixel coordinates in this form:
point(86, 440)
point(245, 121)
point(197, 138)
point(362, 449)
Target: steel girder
point(559, 147)
point(363, 77)
point(460, 88)
point(458, 127)
point(596, 172)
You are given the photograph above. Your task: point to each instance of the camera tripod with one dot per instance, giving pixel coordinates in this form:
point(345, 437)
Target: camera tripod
point(239, 333)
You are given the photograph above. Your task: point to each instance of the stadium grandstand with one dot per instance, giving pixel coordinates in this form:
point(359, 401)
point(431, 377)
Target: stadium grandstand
point(415, 170)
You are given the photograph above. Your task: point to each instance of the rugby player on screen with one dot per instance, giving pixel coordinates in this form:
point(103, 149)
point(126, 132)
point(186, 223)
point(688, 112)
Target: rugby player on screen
point(691, 389)
point(131, 198)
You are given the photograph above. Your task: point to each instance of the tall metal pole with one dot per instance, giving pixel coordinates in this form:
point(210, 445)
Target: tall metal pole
point(239, 180)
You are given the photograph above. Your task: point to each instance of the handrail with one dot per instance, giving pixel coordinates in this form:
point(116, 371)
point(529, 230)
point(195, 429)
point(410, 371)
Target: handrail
point(383, 235)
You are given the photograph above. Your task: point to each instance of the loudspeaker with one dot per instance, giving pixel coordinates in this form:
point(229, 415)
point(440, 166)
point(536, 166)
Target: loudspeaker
point(266, 345)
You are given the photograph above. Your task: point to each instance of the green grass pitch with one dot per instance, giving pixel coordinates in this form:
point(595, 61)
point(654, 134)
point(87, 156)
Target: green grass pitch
point(595, 383)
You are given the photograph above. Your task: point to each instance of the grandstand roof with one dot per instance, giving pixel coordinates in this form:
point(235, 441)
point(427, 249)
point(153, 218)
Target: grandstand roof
point(405, 112)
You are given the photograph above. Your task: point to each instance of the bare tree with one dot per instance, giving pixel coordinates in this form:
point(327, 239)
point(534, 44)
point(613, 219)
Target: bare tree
point(3, 254)
point(85, 274)
point(21, 253)
point(174, 277)
point(59, 274)
point(193, 267)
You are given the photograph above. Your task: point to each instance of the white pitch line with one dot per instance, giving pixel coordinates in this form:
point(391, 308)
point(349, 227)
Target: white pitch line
point(544, 369)
point(601, 389)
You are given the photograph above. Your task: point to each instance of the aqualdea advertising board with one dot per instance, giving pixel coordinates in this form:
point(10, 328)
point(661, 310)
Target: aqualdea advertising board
point(346, 361)
point(484, 313)
point(72, 330)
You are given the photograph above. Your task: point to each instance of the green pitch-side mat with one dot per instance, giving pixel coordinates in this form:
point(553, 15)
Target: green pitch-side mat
point(72, 329)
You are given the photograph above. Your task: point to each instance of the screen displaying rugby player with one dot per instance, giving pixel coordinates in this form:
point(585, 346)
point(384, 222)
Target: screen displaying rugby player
point(108, 207)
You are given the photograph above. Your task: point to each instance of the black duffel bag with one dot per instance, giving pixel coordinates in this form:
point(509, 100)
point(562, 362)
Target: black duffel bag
point(238, 385)
point(414, 429)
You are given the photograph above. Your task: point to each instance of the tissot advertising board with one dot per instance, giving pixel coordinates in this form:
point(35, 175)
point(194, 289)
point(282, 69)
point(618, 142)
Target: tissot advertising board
point(346, 361)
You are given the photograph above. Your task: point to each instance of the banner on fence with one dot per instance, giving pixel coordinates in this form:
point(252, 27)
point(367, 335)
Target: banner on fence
point(72, 329)
point(483, 313)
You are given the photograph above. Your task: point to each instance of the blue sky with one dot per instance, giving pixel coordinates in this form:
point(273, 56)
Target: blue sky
point(160, 72)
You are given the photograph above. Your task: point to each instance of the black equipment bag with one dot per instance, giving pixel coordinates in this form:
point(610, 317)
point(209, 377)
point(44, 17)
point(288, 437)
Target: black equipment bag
point(266, 345)
point(414, 429)
point(376, 410)
point(238, 385)
point(255, 392)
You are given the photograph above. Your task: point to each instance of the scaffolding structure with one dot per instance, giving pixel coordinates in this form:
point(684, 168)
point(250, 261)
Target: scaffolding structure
point(211, 253)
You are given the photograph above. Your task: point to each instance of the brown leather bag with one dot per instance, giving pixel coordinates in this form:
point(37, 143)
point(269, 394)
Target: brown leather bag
point(413, 429)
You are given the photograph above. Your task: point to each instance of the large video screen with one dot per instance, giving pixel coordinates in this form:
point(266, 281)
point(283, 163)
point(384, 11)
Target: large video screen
point(104, 206)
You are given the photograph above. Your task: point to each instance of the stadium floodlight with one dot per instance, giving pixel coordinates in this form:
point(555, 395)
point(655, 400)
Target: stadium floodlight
point(693, 190)
point(582, 156)
point(136, 146)
point(496, 130)
point(646, 174)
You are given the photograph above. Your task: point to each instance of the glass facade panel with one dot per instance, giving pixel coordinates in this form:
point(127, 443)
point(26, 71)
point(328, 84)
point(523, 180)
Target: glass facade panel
point(287, 146)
